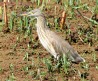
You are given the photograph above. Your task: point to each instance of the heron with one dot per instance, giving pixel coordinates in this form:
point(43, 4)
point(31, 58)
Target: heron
point(52, 42)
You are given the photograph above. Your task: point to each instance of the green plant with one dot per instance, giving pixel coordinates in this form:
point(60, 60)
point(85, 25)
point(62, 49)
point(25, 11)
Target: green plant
point(65, 63)
point(56, 23)
point(1, 69)
point(26, 56)
point(97, 67)
point(85, 66)
point(26, 69)
point(11, 67)
point(11, 21)
point(49, 65)
point(11, 77)
point(94, 57)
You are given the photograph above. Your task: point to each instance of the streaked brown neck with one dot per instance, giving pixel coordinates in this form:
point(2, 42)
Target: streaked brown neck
point(41, 21)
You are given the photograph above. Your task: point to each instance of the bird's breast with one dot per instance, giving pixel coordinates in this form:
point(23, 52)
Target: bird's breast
point(44, 39)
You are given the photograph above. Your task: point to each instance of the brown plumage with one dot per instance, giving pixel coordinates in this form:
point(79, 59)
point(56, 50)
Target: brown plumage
point(53, 43)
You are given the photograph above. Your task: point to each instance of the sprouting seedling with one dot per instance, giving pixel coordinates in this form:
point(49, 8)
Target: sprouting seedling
point(81, 6)
point(70, 2)
point(26, 57)
point(39, 74)
point(11, 23)
point(56, 19)
point(91, 20)
point(38, 2)
point(33, 62)
point(0, 10)
point(85, 66)
point(78, 2)
point(21, 25)
point(1, 69)
point(29, 31)
point(24, 23)
point(11, 67)
point(57, 1)
point(56, 23)
point(16, 4)
point(17, 40)
point(48, 64)
point(26, 68)
point(28, 46)
point(65, 3)
point(97, 67)
point(11, 77)
point(65, 63)
point(95, 9)
point(1, 22)
point(94, 57)
point(58, 65)
point(12, 17)
point(84, 76)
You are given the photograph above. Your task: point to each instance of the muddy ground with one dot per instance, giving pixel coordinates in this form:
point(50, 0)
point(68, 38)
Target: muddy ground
point(15, 66)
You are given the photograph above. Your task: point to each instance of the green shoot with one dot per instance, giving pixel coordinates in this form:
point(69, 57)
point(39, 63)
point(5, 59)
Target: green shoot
point(1, 70)
point(12, 16)
point(48, 64)
point(94, 57)
point(11, 78)
point(11, 67)
point(26, 57)
point(65, 63)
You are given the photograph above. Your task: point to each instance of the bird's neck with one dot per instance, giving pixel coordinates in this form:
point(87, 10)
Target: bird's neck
point(41, 22)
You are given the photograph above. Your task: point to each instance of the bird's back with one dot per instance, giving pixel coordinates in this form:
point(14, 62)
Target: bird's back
point(63, 47)
point(55, 44)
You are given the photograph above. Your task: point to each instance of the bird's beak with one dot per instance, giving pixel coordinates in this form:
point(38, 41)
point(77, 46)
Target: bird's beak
point(27, 14)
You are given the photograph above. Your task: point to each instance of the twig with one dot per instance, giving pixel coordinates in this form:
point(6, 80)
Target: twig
point(5, 14)
point(80, 39)
point(91, 20)
point(84, 17)
point(63, 19)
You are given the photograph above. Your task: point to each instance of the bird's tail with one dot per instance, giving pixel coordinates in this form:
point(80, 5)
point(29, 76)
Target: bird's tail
point(76, 58)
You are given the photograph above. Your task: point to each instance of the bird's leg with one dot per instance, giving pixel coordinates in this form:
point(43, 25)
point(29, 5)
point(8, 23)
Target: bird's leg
point(57, 56)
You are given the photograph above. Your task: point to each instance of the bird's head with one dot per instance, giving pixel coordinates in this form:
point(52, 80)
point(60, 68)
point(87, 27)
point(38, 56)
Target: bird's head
point(34, 13)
